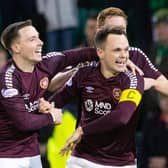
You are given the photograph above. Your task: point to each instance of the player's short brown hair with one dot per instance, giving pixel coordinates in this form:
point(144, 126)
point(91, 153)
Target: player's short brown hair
point(111, 11)
point(10, 33)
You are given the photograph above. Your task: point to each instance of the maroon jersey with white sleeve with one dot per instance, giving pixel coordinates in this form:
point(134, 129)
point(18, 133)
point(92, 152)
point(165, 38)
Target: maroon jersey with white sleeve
point(19, 95)
point(108, 115)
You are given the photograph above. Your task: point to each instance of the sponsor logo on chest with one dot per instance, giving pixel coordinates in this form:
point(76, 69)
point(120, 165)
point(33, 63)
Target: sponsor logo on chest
point(99, 107)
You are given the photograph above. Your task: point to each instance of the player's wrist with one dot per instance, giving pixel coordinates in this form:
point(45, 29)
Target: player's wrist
point(53, 116)
point(80, 130)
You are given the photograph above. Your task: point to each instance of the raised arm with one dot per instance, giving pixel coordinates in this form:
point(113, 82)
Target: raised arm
point(59, 79)
point(55, 62)
point(140, 59)
point(161, 85)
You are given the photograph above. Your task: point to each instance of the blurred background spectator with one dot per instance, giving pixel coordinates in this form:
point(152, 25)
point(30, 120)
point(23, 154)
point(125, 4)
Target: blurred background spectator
point(160, 36)
point(150, 154)
point(17, 10)
point(155, 144)
point(89, 31)
point(155, 5)
point(61, 18)
point(139, 23)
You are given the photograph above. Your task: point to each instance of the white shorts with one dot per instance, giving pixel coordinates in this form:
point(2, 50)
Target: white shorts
point(25, 162)
point(76, 162)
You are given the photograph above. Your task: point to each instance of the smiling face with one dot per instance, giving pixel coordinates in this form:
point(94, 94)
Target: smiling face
point(114, 55)
point(28, 45)
point(160, 33)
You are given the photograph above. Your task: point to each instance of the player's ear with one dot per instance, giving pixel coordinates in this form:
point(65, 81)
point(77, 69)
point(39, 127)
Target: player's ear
point(100, 53)
point(97, 29)
point(15, 47)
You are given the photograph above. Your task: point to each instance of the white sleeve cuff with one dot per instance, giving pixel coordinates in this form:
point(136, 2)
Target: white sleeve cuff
point(53, 117)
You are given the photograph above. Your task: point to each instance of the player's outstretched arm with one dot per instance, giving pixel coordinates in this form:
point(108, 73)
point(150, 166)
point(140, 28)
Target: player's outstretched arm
point(161, 85)
point(149, 83)
point(59, 79)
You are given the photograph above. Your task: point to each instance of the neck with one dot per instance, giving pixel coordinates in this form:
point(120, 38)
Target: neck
point(108, 74)
point(24, 65)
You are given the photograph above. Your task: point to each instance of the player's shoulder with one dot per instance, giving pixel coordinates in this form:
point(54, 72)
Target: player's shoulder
point(8, 69)
point(9, 81)
point(52, 54)
point(131, 79)
point(8, 75)
point(130, 75)
point(134, 51)
point(88, 67)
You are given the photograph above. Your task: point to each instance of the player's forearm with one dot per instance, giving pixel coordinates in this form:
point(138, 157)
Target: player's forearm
point(24, 120)
point(59, 79)
point(116, 118)
point(31, 122)
point(161, 85)
point(120, 116)
point(75, 56)
point(35, 122)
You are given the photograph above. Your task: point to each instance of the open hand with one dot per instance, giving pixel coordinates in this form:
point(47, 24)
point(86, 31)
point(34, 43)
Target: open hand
point(72, 141)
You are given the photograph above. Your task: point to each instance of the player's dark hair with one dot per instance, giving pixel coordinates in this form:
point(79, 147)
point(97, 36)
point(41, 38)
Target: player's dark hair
point(10, 33)
point(102, 34)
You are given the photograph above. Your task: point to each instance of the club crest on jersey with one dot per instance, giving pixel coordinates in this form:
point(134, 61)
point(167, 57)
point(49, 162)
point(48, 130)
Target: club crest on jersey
point(44, 83)
point(89, 105)
point(116, 93)
point(9, 92)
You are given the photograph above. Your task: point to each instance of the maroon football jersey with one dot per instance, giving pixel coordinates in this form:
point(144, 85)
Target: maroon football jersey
point(19, 95)
point(108, 125)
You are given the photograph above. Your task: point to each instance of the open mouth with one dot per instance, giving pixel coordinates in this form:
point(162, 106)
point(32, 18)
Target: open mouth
point(38, 51)
point(121, 62)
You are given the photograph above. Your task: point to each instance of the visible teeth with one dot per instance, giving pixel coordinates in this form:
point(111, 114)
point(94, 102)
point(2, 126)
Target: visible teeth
point(39, 51)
